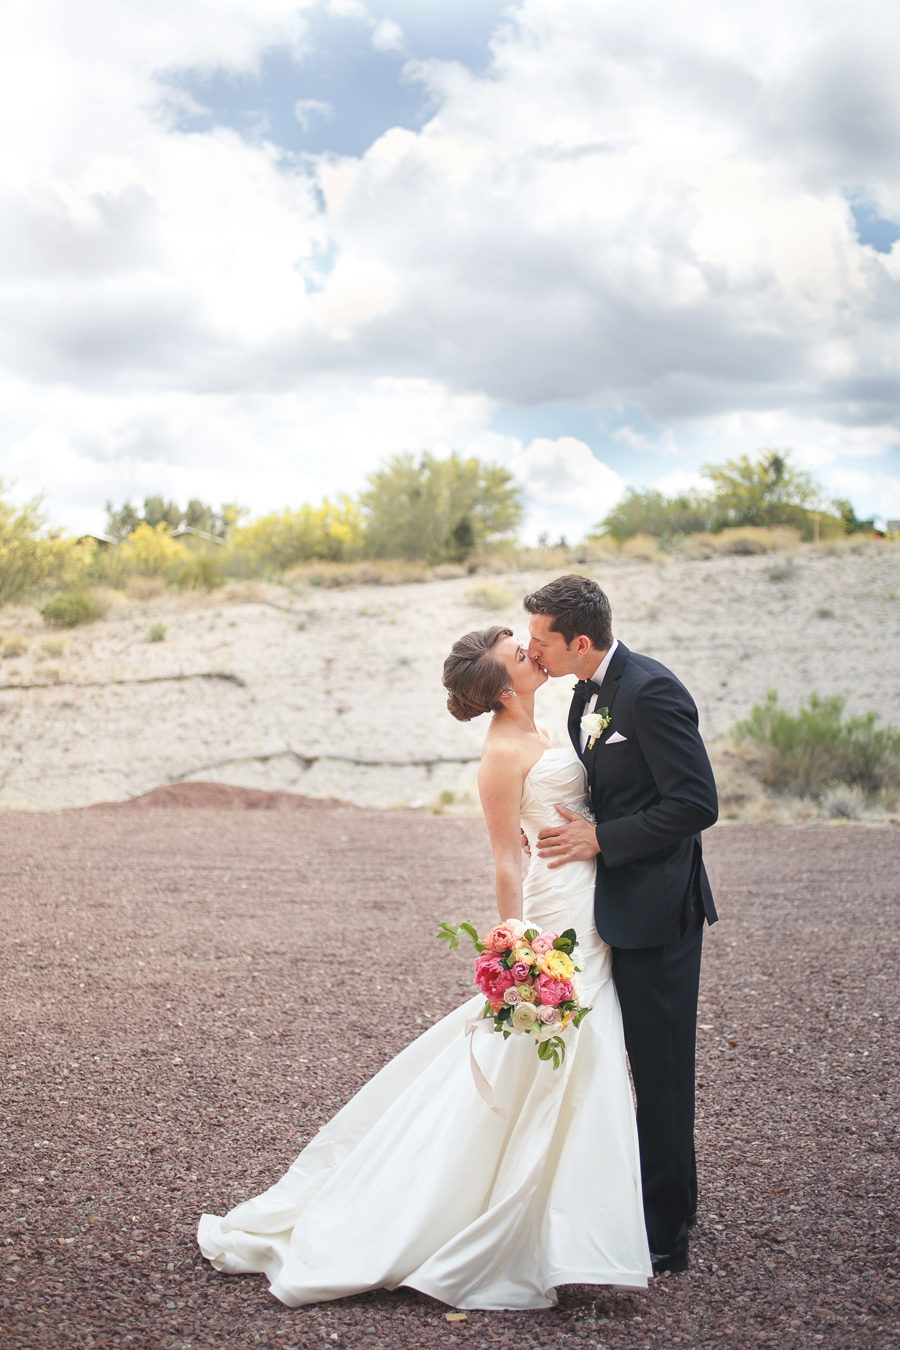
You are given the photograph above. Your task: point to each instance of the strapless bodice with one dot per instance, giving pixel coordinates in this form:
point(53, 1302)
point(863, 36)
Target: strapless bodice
point(559, 897)
point(558, 777)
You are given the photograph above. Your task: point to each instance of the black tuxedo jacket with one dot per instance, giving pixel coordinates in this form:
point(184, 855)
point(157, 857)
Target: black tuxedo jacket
point(652, 793)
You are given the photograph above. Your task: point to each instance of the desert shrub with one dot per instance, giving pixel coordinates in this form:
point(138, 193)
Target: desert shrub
point(649, 512)
point(844, 801)
point(32, 557)
point(157, 632)
point(642, 547)
point(150, 551)
point(782, 572)
point(439, 510)
point(12, 645)
point(385, 572)
point(275, 543)
point(144, 588)
point(765, 492)
point(489, 596)
point(70, 608)
point(808, 752)
point(202, 571)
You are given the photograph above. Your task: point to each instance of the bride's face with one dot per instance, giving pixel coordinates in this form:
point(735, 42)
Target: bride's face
point(525, 675)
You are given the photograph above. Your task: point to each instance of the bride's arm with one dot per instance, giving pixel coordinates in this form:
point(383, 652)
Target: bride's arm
point(500, 781)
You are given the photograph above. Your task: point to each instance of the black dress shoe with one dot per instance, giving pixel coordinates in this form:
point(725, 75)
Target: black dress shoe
point(672, 1265)
point(692, 1220)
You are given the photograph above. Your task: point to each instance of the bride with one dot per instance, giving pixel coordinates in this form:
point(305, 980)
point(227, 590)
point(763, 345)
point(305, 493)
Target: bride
point(485, 1197)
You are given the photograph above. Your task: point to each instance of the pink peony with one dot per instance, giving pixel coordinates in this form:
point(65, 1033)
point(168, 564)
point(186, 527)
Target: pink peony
point(544, 943)
point(501, 938)
point(492, 978)
point(553, 992)
point(521, 970)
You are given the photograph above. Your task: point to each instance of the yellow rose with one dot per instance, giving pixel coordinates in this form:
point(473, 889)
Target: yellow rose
point(557, 965)
point(525, 953)
point(524, 1017)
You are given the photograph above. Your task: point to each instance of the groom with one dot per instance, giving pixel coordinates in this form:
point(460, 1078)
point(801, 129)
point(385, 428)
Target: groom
point(652, 791)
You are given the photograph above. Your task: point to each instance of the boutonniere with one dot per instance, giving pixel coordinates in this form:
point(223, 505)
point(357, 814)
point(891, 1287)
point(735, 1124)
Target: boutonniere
point(595, 724)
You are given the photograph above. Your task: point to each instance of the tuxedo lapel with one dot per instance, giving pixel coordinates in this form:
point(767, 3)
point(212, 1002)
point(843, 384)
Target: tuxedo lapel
point(575, 709)
point(605, 699)
point(608, 690)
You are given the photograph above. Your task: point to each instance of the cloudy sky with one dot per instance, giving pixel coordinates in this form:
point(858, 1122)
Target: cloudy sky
point(249, 247)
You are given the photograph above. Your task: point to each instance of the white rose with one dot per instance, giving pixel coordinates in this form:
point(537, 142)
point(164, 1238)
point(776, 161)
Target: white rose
point(524, 1017)
point(594, 724)
point(577, 988)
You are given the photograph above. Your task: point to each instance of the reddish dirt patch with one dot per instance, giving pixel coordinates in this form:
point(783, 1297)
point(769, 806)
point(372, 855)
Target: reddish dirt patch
point(155, 1067)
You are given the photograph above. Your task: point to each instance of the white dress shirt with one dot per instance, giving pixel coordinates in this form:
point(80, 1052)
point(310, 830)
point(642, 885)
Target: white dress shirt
point(597, 677)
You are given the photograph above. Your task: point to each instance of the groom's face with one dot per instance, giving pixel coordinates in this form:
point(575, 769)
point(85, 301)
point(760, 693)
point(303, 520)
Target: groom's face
point(549, 649)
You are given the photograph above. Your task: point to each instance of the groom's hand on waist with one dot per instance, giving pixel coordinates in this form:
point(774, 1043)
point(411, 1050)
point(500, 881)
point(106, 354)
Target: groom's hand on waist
point(574, 841)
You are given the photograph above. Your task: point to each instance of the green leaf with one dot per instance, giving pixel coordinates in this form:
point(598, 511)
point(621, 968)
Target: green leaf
point(472, 931)
point(531, 934)
point(566, 941)
point(447, 933)
point(580, 1016)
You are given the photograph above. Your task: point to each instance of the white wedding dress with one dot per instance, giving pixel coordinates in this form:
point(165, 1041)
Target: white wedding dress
point(418, 1182)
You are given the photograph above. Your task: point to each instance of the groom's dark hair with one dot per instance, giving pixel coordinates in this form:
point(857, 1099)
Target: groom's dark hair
point(576, 606)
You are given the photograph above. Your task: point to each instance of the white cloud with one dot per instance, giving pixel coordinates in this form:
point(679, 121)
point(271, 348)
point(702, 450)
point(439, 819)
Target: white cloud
point(644, 206)
point(387, 36)
point(567, 489)
point(306, 110)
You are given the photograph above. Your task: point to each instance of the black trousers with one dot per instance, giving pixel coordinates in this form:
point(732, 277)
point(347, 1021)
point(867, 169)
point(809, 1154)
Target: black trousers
point(658, 989)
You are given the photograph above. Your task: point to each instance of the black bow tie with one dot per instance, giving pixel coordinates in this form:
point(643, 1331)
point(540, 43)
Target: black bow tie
point(586, 689)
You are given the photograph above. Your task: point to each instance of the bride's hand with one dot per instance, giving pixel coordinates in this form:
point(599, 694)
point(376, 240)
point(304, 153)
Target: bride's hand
point(526, 847)
point(576, 841)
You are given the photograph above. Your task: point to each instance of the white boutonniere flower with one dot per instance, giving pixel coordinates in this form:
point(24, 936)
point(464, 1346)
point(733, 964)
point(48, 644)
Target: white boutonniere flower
point(595, 724)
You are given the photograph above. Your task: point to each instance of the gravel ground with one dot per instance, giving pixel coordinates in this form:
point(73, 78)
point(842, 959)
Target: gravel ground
point(153, 1070)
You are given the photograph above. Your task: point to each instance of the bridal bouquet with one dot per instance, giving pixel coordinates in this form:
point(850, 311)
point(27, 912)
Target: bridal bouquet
point(532, 982)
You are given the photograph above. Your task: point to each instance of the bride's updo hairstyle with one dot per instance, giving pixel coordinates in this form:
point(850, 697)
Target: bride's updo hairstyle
point(473, 676)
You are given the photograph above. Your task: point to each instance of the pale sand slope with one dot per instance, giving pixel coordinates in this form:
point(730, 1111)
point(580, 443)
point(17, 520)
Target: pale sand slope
point(357, 672)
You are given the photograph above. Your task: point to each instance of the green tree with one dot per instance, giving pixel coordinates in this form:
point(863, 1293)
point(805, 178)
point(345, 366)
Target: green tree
point(650, 512)
point(850, 520)
point(765, 491)
point(438, 509)
point(31, 555)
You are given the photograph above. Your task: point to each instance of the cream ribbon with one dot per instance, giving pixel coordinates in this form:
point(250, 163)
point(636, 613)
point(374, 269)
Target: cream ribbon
point(485, 1091)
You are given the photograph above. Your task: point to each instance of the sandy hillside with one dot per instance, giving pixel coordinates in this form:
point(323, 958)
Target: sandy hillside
point(265, 687)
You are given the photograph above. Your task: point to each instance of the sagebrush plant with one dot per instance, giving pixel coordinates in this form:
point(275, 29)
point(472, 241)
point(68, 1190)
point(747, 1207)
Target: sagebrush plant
point(808, 752)
point(72, 607)
point(489, 596)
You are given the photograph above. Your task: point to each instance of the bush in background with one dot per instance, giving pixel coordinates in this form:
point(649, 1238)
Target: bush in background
point(72, 607)
point(33, 557)
point(809, 752)
point(150, 551)
point(439, 510)
point(269, 546)
point(649, 512)
point(765, 493)
point(489, 596)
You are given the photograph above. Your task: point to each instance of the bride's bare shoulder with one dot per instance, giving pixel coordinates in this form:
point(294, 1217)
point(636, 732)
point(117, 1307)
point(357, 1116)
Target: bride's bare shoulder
point(503, 755)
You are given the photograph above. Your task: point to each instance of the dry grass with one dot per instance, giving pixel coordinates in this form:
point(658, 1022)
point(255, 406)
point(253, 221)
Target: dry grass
point(489, 596)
